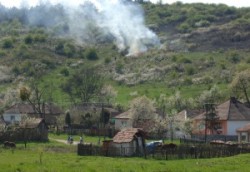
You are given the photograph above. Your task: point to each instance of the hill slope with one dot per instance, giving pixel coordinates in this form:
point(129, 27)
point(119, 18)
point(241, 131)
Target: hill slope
point(201, 45)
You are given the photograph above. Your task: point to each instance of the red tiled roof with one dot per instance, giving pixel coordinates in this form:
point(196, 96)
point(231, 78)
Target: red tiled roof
point(126, 135)
point(244, 129)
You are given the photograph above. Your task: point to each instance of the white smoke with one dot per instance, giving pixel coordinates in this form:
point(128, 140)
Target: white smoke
point(88, 21)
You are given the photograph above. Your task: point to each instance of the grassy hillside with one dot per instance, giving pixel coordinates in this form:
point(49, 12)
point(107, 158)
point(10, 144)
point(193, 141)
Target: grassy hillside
point(201, 45)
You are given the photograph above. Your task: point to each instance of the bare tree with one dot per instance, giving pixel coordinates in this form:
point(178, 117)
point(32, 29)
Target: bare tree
point(35, 96)
point(85, 85)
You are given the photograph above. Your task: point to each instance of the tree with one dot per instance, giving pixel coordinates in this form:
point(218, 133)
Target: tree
point(142, 108)
point(211, 118)
point(68, 119)
point(108, 93)
point(35, 96)
point(169, 107)
point(85, 85)
point(241, 84)
point(213, 95)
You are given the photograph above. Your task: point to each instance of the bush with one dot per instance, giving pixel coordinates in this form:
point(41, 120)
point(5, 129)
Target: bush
point(187, 81)
point(92, 54)
point(39, 38)
point(185, 60)
point(28, 39)
point(69, 50)
point(7, 43)
point(119, 68)
point(190, 70)
point(2, 54)
point(16, 70)
point(107, 60)
point(65, 72)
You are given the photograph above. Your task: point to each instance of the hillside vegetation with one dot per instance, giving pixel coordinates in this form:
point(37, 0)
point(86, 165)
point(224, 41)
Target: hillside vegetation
point(201, 45)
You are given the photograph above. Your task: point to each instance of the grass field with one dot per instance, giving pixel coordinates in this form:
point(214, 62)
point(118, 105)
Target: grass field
point(58, 157)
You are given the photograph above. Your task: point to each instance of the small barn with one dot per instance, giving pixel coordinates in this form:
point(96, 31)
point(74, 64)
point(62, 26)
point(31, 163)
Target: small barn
point(129, 142)
point(244, 133)
point(35, 129)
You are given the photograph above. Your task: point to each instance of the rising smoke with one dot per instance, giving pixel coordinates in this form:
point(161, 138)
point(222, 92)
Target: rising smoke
point(93, 21)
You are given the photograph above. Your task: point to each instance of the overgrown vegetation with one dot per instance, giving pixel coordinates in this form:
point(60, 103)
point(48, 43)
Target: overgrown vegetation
point(196, 54)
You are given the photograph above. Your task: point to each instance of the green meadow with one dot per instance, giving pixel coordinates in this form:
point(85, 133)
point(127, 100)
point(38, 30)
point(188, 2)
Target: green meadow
point(58, 157)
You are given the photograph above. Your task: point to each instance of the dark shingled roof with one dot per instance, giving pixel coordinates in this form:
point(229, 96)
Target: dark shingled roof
point(34, 123)
point(232, 110)
point(127, 135)
point(28, 109)
point(124, 115)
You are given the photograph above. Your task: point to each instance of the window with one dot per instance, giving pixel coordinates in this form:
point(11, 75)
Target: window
point(12, 118)
point(124, 123)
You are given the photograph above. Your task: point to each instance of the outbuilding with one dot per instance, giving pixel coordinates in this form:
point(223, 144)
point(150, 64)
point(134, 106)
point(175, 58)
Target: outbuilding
point(129, 142)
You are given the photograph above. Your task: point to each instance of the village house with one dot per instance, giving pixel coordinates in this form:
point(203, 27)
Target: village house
point(129, 142)
point(183, 122)
point(123, 120)
point(244, 133)
point(231, 115)
point(35, 129)
point(15, 113)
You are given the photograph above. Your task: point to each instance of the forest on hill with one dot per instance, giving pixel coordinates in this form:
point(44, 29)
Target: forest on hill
point(139, 49)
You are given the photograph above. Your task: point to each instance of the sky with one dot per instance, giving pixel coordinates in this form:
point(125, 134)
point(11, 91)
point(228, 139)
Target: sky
point(28, 3)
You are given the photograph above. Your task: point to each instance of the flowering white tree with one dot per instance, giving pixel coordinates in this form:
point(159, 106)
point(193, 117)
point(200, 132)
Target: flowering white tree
point(108, 93)
point(142, 108)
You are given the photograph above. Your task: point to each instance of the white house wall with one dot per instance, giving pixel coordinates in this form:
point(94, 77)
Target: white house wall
point(233, 125)
point(7, 117)
point(122, 123)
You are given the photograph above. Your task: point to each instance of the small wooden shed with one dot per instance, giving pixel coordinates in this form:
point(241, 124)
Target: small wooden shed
point(129, 142)
point(35, 129)
point(244, 133)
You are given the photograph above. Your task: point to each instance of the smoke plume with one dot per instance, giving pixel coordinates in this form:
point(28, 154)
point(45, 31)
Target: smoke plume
point(94, 21)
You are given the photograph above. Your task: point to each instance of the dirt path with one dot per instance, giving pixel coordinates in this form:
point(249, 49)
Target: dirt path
point(64, 141)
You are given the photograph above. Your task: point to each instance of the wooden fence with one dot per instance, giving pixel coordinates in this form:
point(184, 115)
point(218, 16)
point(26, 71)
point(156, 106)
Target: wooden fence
point(183, 151)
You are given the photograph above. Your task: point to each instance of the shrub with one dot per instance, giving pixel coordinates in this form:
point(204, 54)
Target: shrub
point(2, 54)
point(39, 38)
point(7, 43)
point(28, 39)
point(187, 81)
point(190, 70)
point(59, 48)
point(119, 68)
point(92, 54)
point(49, 63)
point(184, 28)
point(107, 60)
point(185, 60)
point(16, 70)
point(65, 72)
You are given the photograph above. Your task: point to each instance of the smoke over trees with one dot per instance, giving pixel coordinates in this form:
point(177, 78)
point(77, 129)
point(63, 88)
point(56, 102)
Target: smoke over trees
point(117, 21)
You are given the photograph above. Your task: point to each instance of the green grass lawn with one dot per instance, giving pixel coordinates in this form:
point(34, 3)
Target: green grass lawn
point(37, 157)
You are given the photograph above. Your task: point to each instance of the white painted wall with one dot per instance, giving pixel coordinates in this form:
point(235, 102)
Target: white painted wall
point(7, 118)
point(123, 123)
point(233, 125)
